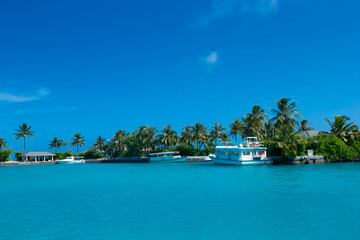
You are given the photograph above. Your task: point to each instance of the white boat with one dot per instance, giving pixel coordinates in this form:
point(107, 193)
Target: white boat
point(210, 157)
point(71, 160)
point(170, 157)
point(251, 152)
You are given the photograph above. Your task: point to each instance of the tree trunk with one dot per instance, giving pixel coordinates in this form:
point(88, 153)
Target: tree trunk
point(24, 149)
point(77, 149)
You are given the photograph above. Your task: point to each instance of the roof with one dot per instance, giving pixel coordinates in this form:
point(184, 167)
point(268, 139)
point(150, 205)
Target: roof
point(310, 133)
point(36, 154)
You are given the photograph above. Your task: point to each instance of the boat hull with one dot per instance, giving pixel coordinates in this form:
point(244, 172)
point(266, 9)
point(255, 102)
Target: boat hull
point(165, 160)
point(70, 162)
point(243, 162)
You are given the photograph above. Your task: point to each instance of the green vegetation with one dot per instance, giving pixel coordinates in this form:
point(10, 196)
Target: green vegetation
point(280, 133)
point(168, 137)
point(56, 143)
point(237, 127)
point(341, 127)
point(18, 155)
point(215, 133)
point(255, 121)
point(99, 143)
point(334, 148)
point(77, 141)
point(92, 153)
point(64, 155)
point(4, 155)
point(2, 143)
point(22, 132)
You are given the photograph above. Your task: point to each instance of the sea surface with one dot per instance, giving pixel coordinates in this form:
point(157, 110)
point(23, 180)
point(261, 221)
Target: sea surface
point(180, 201)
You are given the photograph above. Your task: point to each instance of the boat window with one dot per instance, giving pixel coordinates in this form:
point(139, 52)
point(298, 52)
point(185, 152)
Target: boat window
point(237, 153)
point(246, 153)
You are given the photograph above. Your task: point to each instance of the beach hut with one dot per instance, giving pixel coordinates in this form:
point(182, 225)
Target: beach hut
point(38, 156)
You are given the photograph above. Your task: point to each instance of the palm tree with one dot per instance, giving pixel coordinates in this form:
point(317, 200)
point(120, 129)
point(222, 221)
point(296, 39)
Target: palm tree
point(286, 140)
point(77, 141)
point(100, 143)
point(304, 126)
point(237, 128)
point(117, 140)
point(150, 138)
point(186, 135)
point(268, 131)
point(2, 143)
point(23, 132)
point(199, 134)
point(286, 114)
point(255, 120)
point(168, 137)
point(224, 137)
point(216, 132)
point(55, 143)
point(141, 135)
point(63, 143)
point(341, 127)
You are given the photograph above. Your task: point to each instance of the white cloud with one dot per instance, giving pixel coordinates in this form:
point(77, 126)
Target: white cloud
point(212, 58)
point(8, 97)
point(222, 8)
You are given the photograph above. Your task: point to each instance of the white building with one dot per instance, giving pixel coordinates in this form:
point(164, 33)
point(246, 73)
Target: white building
point(38, 156)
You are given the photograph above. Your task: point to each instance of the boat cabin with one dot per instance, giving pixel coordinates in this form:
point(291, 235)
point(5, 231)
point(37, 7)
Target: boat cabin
point(166, 157)
point(163, 154)
point(252, 149)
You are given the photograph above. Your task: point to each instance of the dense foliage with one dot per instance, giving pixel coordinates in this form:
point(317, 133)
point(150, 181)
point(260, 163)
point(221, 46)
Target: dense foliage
point(18, 156)
point(334, 148)
point(280, 133)
point(63, 155)
point(4, 155)
point(92, 153)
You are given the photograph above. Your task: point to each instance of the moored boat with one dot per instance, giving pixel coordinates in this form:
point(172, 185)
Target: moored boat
point(71, 160)
point(251, 152)
point(170, 157)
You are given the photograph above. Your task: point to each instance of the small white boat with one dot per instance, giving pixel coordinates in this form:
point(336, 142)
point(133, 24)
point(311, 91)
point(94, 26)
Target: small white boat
point(169, 157)
point(251, 152)
point(71, 160)
point(211, 157)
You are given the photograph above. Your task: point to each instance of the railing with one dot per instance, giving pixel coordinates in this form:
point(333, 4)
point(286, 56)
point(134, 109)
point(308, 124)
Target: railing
point(228, 144)
point(237, 144)
point(254, 144)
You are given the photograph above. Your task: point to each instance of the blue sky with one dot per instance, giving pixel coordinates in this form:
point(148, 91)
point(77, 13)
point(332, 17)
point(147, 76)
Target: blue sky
point(98, 66)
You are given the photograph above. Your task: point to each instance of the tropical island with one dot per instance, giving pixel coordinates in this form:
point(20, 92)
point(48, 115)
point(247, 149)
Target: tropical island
point(284, 132)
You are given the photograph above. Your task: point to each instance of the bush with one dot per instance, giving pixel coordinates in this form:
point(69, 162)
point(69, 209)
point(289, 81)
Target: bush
point(92, 153)
point(18, 155)
point(64, 155)
point(188, 150)
point(333, 148)
point(4, 155)
point(185, 150)
point(356, 147)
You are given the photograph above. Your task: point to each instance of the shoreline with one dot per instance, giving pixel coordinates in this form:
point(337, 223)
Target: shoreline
point(17, 163)
point(299, 160)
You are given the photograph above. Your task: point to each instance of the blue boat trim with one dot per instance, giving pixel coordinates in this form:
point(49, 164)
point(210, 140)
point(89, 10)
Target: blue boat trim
point(248, 153)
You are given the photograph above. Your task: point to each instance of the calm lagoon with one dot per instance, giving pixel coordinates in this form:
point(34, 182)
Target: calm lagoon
point(180, 201)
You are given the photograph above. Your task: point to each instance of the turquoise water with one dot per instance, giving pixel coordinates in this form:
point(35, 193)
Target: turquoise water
point(180, 201)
